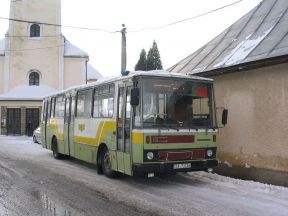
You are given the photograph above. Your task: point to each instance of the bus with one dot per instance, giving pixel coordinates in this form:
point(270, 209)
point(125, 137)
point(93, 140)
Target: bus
point(144, 123)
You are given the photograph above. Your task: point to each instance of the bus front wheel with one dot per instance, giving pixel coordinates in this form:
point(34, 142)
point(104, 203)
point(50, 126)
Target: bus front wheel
point(106, 163)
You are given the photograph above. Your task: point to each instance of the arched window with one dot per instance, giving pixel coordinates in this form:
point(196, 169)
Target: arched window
point(34, 78)
point(35, 30)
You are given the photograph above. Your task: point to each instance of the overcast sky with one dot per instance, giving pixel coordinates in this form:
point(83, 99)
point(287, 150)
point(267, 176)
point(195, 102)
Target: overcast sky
point(174, 42)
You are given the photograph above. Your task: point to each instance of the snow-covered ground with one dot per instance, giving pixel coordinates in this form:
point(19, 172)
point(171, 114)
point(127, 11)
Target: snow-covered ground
point(197, 193)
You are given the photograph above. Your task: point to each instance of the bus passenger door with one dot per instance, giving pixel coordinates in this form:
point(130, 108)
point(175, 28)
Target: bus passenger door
point(47, 124)
point(67, 121)
point(123, 130)
point(69, 126)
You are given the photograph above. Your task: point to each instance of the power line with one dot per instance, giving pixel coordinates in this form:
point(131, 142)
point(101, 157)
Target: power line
point(32, 49)
point(132, 31)
point(22, 36)
point(186, 19)
point(57, 25)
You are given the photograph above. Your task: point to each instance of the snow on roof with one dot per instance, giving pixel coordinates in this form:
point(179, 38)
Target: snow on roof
point(70, 50)
point(28, 93)
point(243, 49)
point(92, 73)
point(261, 34)
point(2, 46)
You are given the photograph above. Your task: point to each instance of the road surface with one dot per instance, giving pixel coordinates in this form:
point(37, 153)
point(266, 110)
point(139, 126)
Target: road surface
point(32, 182)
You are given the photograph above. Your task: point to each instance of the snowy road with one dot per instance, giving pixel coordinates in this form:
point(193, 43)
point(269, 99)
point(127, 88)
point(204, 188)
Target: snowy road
point(33, 183)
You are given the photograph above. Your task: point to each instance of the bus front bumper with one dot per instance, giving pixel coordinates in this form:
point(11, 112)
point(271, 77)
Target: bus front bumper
point(174, 167)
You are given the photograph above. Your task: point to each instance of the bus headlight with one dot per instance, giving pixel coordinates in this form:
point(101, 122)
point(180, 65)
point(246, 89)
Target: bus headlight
point(209, 153)
point(150, 155)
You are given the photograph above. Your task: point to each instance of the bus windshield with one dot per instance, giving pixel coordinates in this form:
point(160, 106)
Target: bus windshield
point(177, 104)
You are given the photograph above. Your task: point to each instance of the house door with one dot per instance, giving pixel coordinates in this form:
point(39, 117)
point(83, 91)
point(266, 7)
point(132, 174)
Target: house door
point(14, 121)
point(123, 130)
point(32, 120)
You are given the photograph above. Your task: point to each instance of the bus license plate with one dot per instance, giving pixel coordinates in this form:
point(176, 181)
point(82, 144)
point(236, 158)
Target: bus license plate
point(182, 166)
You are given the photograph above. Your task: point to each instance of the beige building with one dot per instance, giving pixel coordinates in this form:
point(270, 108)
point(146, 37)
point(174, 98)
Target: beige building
point(35, 60)
point(249, 62)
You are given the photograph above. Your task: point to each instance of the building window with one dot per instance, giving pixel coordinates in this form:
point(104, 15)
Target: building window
point(35, 30)
point(34, 78)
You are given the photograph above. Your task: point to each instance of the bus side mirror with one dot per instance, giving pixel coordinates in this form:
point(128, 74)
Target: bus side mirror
point(135, 92)
point(224, 117)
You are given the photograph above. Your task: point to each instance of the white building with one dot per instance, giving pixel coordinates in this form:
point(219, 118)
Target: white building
point(35, 60)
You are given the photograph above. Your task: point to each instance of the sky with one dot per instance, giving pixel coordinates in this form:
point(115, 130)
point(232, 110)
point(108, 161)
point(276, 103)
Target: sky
point(175, 42)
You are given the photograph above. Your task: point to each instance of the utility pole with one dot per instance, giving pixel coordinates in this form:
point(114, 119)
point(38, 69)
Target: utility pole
point(123, 51)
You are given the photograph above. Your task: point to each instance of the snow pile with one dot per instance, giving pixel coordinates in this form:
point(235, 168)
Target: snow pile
point(216, 179)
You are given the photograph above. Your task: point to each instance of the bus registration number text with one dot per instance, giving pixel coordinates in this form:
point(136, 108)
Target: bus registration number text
point(182, 166)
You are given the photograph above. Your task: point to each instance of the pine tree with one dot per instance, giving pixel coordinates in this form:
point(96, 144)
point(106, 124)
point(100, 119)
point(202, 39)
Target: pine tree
point(142, 62)
point(153, 58)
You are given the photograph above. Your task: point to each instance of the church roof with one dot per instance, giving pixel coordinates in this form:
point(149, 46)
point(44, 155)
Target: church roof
point(2, 46)
point(70, 50)
point(92, 73)
point(27, 93)
point(258, 38)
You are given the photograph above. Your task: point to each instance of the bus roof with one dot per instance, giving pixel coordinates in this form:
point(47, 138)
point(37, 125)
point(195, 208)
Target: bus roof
point(131, 74)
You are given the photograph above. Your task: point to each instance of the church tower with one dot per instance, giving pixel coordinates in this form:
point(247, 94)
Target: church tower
point(34, 49)
point(36, 60)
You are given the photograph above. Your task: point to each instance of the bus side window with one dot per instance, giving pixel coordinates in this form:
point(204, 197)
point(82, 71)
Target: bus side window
point(84, 103)
point(68, 110)
point(73, 108)
point(49, 108)
point(59, 106)
point(103, 102)
point(52, 108)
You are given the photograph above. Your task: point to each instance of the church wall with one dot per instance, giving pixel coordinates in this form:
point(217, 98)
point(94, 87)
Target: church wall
point(44, 61)
point(74, 71)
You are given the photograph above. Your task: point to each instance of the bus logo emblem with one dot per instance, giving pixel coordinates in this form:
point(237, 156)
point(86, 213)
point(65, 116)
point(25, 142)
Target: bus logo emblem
point(81, 127)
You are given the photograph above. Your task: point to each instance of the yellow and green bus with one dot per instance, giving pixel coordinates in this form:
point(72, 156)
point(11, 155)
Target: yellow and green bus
point(144, 123)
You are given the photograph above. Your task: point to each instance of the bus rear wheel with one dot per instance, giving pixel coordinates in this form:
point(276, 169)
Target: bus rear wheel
point(56, 154)
point(106, 163)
